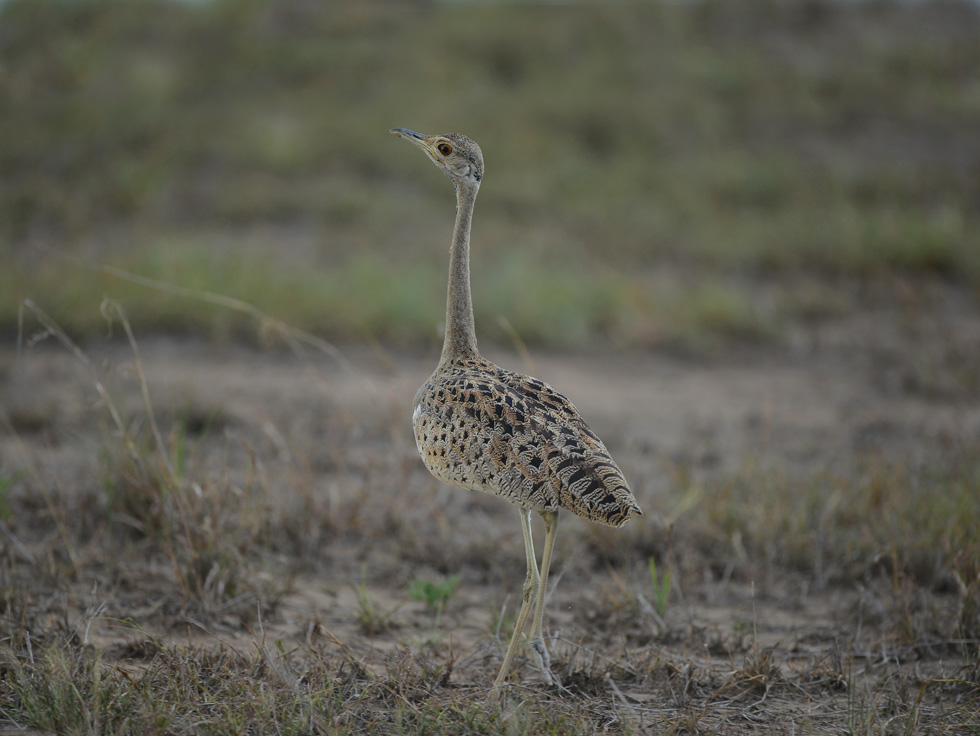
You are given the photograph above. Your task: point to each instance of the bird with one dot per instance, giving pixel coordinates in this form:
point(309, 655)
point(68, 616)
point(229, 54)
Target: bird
point(483, 428)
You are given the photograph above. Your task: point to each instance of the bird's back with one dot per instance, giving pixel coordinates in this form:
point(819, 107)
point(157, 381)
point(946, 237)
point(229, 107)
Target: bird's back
point(484, 428)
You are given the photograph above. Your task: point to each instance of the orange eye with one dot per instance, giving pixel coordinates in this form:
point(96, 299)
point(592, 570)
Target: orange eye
point(445, 149)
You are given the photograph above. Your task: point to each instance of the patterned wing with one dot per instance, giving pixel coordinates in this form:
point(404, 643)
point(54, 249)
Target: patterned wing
point(546, 453)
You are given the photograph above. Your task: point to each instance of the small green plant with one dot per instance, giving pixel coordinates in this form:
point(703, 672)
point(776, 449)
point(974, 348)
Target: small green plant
point(369, 616)
point(6, 484)
point(741, 627)
point(434, 595)
point(660, 586)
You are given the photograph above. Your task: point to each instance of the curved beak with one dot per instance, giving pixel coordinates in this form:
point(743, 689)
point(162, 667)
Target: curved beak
point(410, 135)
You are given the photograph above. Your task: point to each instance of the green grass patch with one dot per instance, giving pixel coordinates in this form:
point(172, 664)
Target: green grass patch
point(367, 296)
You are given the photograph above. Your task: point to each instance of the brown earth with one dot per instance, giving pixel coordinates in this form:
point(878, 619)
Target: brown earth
point(330, 446)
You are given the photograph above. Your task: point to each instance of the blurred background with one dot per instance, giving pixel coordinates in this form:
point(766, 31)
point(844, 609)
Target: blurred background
point(688, 175)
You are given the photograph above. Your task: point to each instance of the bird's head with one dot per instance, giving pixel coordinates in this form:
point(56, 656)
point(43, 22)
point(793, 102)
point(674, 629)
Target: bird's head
point(459, 157)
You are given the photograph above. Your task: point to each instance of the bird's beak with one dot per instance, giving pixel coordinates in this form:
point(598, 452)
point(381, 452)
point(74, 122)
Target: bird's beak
point(410, 135)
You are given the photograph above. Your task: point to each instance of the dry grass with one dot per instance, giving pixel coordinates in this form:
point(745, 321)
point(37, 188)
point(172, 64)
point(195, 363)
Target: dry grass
point(212, 576)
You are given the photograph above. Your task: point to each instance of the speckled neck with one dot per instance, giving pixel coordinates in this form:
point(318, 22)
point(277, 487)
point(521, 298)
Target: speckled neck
point(460, 329)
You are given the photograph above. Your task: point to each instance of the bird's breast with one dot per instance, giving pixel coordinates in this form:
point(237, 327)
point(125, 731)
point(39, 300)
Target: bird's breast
point(447, 448)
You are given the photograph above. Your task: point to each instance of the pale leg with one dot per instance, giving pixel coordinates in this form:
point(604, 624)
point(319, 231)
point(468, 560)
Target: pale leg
point(532, 583)
point(537, 639)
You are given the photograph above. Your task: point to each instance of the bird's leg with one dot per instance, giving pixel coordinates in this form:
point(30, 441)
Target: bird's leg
point(531, 585)
point(537, 639)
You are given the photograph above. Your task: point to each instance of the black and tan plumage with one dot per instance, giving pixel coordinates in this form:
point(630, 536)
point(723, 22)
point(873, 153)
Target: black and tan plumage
point(483, 428)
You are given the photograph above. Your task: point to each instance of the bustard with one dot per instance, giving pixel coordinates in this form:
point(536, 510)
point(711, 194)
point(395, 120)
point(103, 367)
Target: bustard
point(483, 428)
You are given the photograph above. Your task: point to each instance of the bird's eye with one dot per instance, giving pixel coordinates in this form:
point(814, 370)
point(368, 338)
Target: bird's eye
point(445, 149)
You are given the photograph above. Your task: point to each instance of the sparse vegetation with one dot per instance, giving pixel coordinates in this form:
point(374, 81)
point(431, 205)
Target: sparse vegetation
point(225, 544)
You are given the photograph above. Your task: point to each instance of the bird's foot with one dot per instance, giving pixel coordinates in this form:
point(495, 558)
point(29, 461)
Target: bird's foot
point(544, 661)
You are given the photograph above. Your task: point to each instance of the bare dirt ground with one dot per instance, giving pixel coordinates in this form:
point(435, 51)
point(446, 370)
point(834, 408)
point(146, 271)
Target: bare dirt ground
point(746, 645)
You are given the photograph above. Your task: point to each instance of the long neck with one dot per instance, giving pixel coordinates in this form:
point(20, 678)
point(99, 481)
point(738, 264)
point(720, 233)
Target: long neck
point(460, 331)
